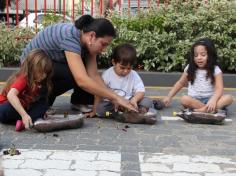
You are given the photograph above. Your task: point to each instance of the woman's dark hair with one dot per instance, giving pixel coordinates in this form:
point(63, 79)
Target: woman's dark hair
point(211, 61)
point(101, 26)
point(125, 54)
point(3, 4)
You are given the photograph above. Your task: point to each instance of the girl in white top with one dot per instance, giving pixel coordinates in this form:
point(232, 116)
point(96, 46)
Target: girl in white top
point(204, 78)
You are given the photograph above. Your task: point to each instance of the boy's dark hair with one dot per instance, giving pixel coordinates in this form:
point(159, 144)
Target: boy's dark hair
point(211, 61)
point(125, 54)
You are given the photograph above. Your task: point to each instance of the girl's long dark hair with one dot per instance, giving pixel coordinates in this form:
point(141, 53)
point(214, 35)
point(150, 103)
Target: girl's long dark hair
point(211, 61)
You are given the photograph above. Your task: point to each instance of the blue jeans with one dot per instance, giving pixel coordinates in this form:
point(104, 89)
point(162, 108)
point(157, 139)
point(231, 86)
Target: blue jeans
point(8, 114)
point(63, 81)
point(203, 100)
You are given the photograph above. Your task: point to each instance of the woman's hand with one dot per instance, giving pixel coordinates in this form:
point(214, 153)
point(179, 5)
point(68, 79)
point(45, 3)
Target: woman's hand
point(90, 114)
point(120, 101)
point(27, 121)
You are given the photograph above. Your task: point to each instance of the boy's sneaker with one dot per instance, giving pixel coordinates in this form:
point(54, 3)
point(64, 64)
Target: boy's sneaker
point(158, 104)
point(82, 108)
point(19, 125)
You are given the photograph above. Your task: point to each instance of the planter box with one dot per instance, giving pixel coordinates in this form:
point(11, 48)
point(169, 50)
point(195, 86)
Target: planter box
point(149, 78)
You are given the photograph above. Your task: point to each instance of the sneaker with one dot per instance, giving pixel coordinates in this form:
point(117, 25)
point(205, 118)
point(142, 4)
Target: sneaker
point(51, 111)
point(222, 111)
point(82, 108)
point(19, 125)
point(158, 104)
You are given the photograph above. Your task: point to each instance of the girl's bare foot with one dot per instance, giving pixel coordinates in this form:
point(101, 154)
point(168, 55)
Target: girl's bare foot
point(202, 109)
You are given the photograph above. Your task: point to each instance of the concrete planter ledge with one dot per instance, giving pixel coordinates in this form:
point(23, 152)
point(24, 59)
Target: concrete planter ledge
point(149, 78)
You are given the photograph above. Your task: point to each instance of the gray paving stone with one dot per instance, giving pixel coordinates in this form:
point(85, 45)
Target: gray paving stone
point(130, 166)
point(130, 173)
point(99, 147)
point(52, 147)
point(128, 156)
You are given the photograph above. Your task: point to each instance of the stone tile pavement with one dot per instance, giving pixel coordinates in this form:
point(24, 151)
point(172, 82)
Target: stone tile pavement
point(66, 163)
point(102, 147)
point(108, 163)
point(153, 164)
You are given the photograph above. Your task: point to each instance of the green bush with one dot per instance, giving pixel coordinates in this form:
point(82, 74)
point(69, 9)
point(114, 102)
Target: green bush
point(50, 18)
point(14, 40)
point(11, 44)
point(163, 37)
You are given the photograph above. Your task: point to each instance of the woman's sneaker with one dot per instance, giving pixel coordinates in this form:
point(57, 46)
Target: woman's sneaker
point(82, 108)
point(19, 125)
point(51, 111)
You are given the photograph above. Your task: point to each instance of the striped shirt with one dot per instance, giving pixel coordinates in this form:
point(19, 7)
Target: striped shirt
point(55, 40)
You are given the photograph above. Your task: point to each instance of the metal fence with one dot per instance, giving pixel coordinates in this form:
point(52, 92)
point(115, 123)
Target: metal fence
point(13, 11)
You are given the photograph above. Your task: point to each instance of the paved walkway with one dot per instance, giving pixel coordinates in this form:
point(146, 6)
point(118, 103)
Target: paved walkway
point(108, 163)
point(102, 147)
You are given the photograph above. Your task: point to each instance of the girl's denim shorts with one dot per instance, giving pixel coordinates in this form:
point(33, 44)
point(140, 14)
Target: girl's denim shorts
point(203, 100)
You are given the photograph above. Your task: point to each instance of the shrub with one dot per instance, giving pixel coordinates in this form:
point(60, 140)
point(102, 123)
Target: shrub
point(11, 44)
point(50, 18)
point(163, 37)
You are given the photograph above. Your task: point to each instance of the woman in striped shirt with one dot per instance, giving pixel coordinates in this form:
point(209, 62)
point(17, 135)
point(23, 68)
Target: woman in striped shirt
point(73, 49)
